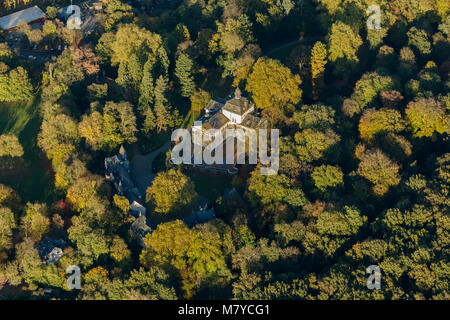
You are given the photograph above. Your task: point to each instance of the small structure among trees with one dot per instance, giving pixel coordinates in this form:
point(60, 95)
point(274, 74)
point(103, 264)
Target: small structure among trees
point(140, 228)
point(201, 215)
point(118, 172)
point(29, 15)
point(51, 250)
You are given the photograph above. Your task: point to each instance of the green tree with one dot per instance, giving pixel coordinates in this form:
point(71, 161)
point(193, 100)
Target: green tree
point(146, 88)
point(10, 146)
point(381, 171)
point(58, 137)
point(119, 123)
point(15, 86)
point(316, 116)
point(149, 121)
point(419, 39)
point(66, 173)
point(120, 253)
point(51, 12)
point(312, 144)
point(273, 85)
point(7, 225)
point(274, 189)
point(195, 254)
point(129, 40)
point(426, 116)
point(374, 122)
point(343, 45)
point(9, 198)
point(183, 72)
point(91, 242)
point(171, 191)
point(91, 128)
point(367, 90)
point(318, 62)
point(36, 222)
point(164, 118)
point(327, 176)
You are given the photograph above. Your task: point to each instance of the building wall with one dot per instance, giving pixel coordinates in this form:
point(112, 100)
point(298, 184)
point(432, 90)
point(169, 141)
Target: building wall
point(235, 118)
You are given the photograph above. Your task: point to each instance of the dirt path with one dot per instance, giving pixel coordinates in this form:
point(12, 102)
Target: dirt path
point(141, 167)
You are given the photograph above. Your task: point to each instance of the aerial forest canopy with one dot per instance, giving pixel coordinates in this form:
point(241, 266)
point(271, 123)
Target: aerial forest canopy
point(364, 176)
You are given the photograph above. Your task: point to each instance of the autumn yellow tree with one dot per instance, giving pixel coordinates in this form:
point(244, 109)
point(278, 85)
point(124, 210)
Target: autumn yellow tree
point(343, 44)
point(427, 116)
point(171, 191)
point(318, 62)
point(378, 168)
point(377, 121)
point(273, 86)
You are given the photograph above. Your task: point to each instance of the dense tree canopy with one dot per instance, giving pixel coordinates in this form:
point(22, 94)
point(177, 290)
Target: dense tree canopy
point(364, 166)
point(10, 146)
point(273, 86)
point(171, 191)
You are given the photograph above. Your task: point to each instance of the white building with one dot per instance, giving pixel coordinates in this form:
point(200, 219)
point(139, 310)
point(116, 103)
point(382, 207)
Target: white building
point(235, 112)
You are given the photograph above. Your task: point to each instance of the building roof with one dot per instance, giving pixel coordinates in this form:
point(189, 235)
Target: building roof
point(202, 215)
point(217, 121)
point(251, 121)
point(238, 104)
point(214, 105)
point(141, 228)
point(27, 15)
point(137, 209)
point(46, 249)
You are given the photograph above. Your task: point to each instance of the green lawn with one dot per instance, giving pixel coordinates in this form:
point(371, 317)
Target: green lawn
point(31, 175)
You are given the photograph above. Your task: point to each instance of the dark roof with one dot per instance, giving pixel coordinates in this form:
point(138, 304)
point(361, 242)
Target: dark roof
point(251, 121)
point(214, 105)
point(124, 176)
point(237, 105)
point(201, 215)
point(46, 246)
point(119, 168)
point(27, 15)
point(140, 227)
point(217, 121)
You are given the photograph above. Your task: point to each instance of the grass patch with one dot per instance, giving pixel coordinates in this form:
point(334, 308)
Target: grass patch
point(31, 176)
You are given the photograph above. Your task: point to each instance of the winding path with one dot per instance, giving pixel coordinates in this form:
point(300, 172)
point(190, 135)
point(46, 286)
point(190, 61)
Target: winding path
point(141, 167)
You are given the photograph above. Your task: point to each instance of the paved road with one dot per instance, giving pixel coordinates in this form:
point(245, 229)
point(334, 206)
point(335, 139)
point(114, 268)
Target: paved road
point(141, 167)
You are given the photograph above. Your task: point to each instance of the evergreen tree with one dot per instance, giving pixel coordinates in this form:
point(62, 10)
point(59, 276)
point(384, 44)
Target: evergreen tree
point(146, 89)
point(183, 72)
point(161, 109)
